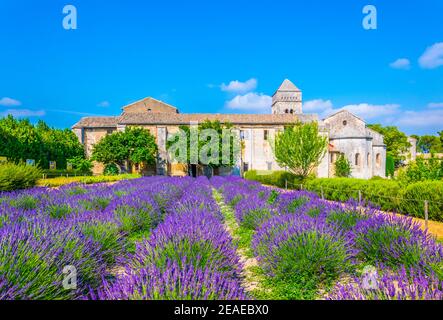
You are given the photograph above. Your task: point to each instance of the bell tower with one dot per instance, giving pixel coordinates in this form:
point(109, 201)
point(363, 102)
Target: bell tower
point(287, 99)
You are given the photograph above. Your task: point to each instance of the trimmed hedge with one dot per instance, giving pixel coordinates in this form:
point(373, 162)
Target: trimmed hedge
point(18, 176)
point(60, 181)
point(274, 178)
point(389, 195)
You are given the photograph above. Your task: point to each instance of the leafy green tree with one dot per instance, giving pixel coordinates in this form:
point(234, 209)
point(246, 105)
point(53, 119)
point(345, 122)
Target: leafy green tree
point(397, 143)
point(81, 164)
point(134, 145)
point(429, 144)
point(224, 141)
point(22, 140)
point(342, 167)
point(390, 166)
point(300, 148)
point(422, 170)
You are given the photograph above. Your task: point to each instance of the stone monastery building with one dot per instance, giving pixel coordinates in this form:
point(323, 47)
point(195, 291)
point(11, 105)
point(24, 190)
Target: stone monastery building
point(347, 135)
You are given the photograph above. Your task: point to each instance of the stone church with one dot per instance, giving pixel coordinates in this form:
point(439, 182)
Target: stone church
point(347, 134)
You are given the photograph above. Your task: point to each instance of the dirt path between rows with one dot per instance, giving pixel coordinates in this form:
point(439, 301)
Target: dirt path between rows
point(250, 281)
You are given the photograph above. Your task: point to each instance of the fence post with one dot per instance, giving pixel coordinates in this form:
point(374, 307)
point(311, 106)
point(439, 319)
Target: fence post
point(286, 184)
point(301, 187)
point(359, 197)
point(322, 194)
point(426, 214)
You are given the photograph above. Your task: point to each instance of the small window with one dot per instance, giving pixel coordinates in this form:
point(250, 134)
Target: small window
point(109, 131)
point(378, 160)
point(291, 112)
point(357, 159)
point(149, 110)
point(286, 111)
point(245, 166)
point(266, 134)
point(345, 122)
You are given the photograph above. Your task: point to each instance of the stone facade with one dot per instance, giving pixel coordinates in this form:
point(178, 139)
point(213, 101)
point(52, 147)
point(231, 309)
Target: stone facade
point(347, 134)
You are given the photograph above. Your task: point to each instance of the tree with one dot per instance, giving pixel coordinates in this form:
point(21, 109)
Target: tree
point(429, 144)
point(81, 164)
point(206, 146)
point(342, 167)
point(22, 140)
point(397, 144)
point(134, 145)
point(390, 166)
point(300, 148)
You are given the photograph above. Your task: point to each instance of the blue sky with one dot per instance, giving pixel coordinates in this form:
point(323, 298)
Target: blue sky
point(190, 53)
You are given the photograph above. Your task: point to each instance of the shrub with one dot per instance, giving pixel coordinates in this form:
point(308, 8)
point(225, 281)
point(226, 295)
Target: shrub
point(342, 167)
point(174, 283)
point(390, 166)
point(18, 176)
point(110, 169)
point(301, 250)
point(195, 238)
point(274, 178)
point(396, 241)
point(34, 255)
point(60, 181)
point(414, 195)
point(404, 284)
point(345, 219)
point(108, 236)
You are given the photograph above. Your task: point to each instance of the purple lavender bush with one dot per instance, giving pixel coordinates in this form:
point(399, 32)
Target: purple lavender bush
point(403, 284)
point(177, 281)
point(302, 251)
point(35, 253)
point(396, 241)
point(198, 237)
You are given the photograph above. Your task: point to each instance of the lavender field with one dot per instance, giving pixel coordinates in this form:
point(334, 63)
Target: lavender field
point(224, 238)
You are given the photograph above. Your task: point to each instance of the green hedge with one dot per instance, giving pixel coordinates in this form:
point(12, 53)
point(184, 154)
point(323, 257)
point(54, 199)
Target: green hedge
point(64, 173)
point(389, 195)
point(415, 193)
point(18, 176)
point(274, 178)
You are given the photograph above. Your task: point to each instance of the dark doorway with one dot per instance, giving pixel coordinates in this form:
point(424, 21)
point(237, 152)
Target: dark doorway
point(193, 171)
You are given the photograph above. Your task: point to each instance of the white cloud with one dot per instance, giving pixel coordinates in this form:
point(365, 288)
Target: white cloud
point(104, 104)
point(433, 57)
point(434, 105)
point(370, 111)
point(320, 106)
point(9, 102)
point(402, 63)
point(251, 101)
point(23, 113)
point(240, 87)
point(421, 119)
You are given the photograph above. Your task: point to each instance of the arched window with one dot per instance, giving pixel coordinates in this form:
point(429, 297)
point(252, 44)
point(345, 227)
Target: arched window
point(291, 112)
point(357, 159)
point(378, 160)
point(286, 111)
point(368, 159)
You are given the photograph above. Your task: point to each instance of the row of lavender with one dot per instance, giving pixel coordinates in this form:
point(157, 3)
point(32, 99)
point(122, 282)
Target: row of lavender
point(325, 250)
point(188, 256)
point(182, 250)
